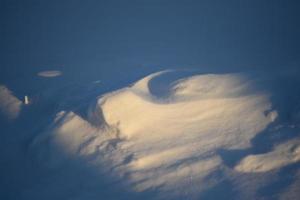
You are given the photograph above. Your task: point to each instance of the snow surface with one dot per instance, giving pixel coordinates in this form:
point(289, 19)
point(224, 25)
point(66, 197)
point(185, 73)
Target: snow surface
point(282, 155)
point(201, 136)
point(10, 106)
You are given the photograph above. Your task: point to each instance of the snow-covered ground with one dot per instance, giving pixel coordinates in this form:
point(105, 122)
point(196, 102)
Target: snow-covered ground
point(169, 135)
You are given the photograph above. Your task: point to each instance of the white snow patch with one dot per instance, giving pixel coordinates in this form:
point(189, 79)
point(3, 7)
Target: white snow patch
point(10, 106)
point(283, 154)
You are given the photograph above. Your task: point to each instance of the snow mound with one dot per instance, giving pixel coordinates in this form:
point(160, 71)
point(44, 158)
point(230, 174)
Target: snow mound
point(167, 144)
point(10, 106)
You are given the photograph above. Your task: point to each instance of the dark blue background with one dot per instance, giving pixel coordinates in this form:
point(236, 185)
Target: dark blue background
point(117, 41)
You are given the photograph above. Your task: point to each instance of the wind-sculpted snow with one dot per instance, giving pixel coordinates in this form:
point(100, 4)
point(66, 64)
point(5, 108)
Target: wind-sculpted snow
point(174, 142)
point(171, 145)
point(281, 156)
point(168, 143)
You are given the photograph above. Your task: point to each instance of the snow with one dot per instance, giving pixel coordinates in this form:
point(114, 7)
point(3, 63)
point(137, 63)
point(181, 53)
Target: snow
point(284, 154)
point(172, 142)
point(158, 138)
point(10, 106)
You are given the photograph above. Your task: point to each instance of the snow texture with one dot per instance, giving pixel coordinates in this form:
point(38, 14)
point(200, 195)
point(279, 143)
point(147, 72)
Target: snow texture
point(200, 136)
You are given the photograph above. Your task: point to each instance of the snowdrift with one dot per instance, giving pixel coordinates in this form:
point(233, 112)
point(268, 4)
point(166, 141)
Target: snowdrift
point(167, 145)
